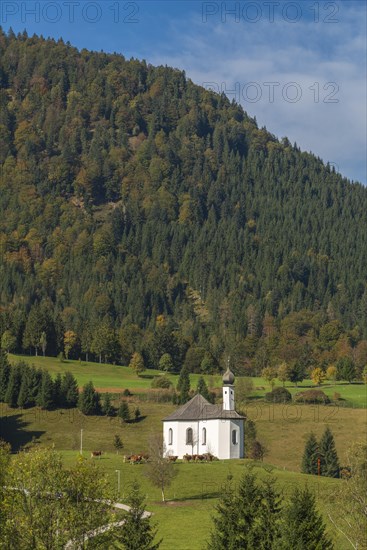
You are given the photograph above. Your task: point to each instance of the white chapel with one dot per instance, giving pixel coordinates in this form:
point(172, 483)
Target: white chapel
point(198, 427)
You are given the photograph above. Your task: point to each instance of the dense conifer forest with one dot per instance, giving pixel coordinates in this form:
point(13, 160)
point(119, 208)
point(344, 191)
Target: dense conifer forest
point(142, 213)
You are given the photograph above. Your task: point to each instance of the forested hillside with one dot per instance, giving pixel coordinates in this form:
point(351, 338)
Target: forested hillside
point(139, 211)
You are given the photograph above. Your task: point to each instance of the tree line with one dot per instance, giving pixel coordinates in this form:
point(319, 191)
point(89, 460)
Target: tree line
point(23, 386)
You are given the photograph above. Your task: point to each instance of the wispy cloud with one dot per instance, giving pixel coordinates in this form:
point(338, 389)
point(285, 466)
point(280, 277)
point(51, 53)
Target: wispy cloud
point(323, 51)
point(324, 110)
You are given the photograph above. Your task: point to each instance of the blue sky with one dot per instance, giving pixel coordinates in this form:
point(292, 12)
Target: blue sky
point(299, 67)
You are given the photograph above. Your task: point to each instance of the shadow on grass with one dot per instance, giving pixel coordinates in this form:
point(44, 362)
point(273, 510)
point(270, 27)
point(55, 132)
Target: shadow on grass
point(147, 376)
point(204, 495)
point(137, 420)
point(13, 430)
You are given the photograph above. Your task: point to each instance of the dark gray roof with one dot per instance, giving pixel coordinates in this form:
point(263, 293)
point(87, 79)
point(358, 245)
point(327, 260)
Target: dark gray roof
point(198, 408)
point(228, 377)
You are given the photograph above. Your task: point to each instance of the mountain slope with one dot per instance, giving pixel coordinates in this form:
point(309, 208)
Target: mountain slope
point(128, 192)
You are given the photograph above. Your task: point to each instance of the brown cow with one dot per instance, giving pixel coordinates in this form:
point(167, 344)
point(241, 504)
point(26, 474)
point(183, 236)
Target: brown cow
point(144, 457)
point(136, 459)
point(208, 457)
point(197, 458)
point(95, 454)
point(172, 458)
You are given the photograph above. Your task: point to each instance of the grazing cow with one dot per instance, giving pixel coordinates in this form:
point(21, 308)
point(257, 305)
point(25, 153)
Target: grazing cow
point(198, 458)
point(172, 458)
point(94, 454)
point(208, 457)
point(136, 459)
point(144, 457)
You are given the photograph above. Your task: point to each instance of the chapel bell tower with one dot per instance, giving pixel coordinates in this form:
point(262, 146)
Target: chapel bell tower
point(228, 390)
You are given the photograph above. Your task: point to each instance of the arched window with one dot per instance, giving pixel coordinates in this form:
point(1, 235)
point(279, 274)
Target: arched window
point(170, 436)
point(189, 438)
point(234, 437)
point(204, 436)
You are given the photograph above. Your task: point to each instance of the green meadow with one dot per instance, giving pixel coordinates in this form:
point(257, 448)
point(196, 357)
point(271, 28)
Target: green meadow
point(116, 378)
point(184, 522)
point(281, 428)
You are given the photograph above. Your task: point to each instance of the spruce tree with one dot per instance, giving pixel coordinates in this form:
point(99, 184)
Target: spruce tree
point(137, 533)
point(202, 388)
point(35, 377)
point(328, 455)
point(183, 385)
point(346, 369)
point(269, 516)
point(248, 517)
point(310, 456)
point(69, 390)
point(117, 443)
point(4, 374)
point(124, 412)
point(46, 392)
point(223, 536)
point(107, 408)
point(13, 387)
point(57, 395)
point(89, 400)
point(24, 390)
point(296, 372)
point(303, 527)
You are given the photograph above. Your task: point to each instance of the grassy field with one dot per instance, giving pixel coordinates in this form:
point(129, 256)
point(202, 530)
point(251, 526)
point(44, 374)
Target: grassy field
point(105, 377)
point(352, 395)
point(281, 428)
point(185, 520)
point(116, 378)
point(197, 487)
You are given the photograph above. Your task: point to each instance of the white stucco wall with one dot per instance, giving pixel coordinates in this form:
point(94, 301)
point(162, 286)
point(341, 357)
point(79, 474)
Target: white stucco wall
point(218, 438)
point(228, 398)
point(237, 450)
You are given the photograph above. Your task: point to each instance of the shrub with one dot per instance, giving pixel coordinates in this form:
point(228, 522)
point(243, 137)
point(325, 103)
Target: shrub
point(117, 443)
point(166, 363)
point(137, 363)
point(257, 451)
point(126, 393)
point(311, 396)
point(278, 395)
point(318, 376)
point(161, 382)
point(244, 388)
point(336, 396)
point(331, 372)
